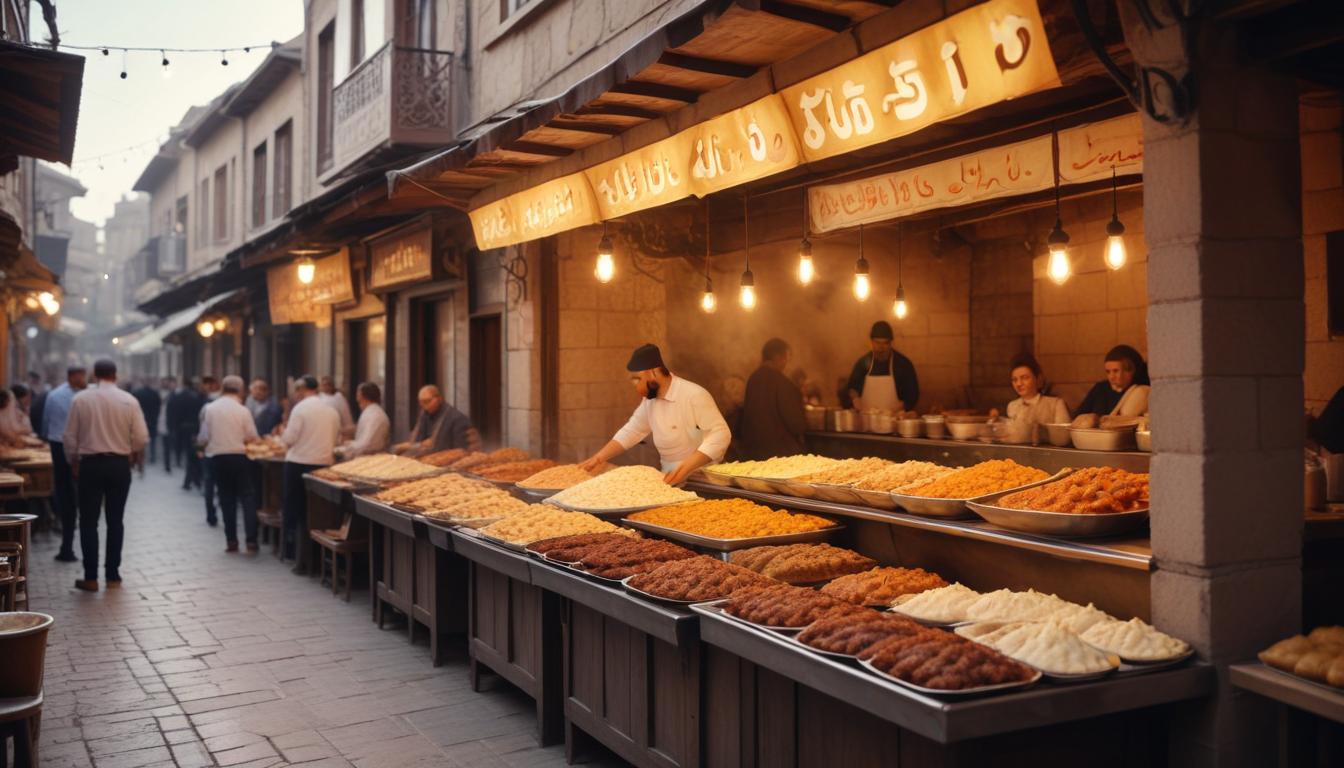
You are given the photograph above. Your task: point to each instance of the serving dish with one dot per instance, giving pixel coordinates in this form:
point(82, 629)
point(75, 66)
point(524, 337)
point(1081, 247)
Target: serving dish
point(1133, 667)
point(958, 509)
point(536, 494)
point(730, 545)
point(910, 427)
point(717, 478)
point(755, 484)
point(716, 607)
point(614, 512)
point(878, 499)
point(797, 488)
point(966, 430)
point(1062, 524)
point(577, 568)
point(1098, 439)
point(962, 693)
point(792, 637)
point(935, 426)
point(840, 494)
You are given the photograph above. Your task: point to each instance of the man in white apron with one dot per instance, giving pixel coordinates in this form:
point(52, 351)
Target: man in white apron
point(883, 379)
point(686, 426)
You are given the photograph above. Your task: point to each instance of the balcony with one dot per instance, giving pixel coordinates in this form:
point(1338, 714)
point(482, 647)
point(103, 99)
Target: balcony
point(398, 97)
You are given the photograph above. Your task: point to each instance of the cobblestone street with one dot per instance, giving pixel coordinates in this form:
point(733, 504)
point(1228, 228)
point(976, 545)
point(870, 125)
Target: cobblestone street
point(208, 658)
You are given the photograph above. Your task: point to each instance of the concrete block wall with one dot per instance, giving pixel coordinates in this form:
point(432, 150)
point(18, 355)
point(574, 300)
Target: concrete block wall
point(1322, 139)
point(522, 359)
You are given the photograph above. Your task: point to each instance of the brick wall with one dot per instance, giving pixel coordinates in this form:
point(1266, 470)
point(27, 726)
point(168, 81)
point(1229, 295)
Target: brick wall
point(1322, 212)
point(522, 362)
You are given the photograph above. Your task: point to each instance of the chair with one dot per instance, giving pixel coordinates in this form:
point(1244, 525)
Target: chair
point(21, 718)
point(11, 578)
point(336, 544)
point(268, 524)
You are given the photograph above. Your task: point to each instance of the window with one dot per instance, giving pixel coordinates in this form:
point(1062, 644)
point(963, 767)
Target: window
point(203, 216)
point(1334, 282)
point(418, 24)
point(282, 178)
point(509, 7)
point(259, 185)
point(178, 227)
point(222, 203)
point(356, 33)
point(326, 64)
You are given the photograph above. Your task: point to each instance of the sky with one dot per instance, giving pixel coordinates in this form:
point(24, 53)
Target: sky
point(121, 121)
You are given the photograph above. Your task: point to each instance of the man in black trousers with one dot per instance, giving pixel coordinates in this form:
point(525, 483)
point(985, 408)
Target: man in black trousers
point(104, 437)
point(311, 434)
point(150, 403)
point(55, 414)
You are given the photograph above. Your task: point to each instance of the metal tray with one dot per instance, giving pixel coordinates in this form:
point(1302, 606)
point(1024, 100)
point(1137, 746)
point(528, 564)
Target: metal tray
point(926, 622)
point(536, 494)
point(955, 509)
point(617, 512)
point(1057, 677)
point(715, 478)
point(839, 494)
point(1130, 666)
point(797, 488)
point(577, 568)
point(502, 544)
point(625, 583)
point(963, 693)
point(716, 607)
point(1062, 524)
point(756, 484)
point(793, 638)
point(730, 545)
point(877, 499)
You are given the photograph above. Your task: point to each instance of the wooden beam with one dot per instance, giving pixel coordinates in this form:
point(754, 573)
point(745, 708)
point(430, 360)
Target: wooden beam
point(707, 66)
point(619, 110)
point(656, 91)
point(585, 126)
point(537, 148)
point(833, 21)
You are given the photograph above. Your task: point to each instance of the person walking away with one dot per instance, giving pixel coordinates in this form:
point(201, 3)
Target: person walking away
point(374, 429)
point(160, 428)
point(226, 429)
point(210, 390)
point(182, 408)
point(772, 421)
point(150, 405)
point(311, 435)
point(55, 414)
point(103, 437)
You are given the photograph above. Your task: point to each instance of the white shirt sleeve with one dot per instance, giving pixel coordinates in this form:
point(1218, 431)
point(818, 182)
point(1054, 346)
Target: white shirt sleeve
point(636, 429)
point(70, 440)
point(293, 429)
point(714, 430)
point(139, 430)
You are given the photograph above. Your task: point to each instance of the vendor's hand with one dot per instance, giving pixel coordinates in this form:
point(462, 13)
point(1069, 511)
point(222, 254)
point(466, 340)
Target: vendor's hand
point(676, 476)
point(589, 464)
point(993, 413)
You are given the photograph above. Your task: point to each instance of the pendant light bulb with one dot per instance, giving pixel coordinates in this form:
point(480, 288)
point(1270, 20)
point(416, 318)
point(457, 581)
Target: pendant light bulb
point(205, 328)
point(747, 296)
point(164, 70)
point(1059, 269)
point(708, 303)
point(1116, 255)
point(900, 308)
point(863, 287)
point(806, 269)
point(307, 270)
point(606, 263)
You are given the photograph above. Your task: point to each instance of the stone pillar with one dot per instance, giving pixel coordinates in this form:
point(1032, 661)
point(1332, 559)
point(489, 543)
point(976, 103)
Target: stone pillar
point(1222, 221)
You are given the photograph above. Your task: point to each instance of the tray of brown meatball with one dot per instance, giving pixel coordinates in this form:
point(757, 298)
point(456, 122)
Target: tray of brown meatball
point(691, 580)
point(1089, 503)
point(779, 607)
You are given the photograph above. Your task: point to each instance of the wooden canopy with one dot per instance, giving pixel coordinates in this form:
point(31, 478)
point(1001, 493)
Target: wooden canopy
point(39, 102)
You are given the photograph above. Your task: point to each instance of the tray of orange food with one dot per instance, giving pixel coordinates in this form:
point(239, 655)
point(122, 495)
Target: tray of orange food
point(1088, 503)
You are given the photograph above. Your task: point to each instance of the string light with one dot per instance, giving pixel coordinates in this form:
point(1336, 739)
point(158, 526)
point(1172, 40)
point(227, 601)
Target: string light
point(806, 269)
point(1115, 232)
point(606, 263)
point(862, 285)
point(223, 59)
point(167, 73)
point(708, 303)
point(1058, 267)
point(123, 65)
point(163, 52)
point(747, 290)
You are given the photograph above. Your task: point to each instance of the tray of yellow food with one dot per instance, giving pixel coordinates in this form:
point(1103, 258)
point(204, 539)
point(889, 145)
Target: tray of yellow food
point(948, 495)
point(726, 525)
point(716, 478)
point(772, 475)
point(1088, 503)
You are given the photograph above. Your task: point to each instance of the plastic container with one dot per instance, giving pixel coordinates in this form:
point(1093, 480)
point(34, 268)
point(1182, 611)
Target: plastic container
point(23, 646)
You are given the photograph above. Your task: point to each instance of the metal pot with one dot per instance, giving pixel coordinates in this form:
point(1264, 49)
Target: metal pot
point(816, 418)
point(846, 420)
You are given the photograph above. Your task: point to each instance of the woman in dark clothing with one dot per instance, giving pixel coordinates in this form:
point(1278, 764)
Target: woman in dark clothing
point(772, 421)
point(1125, 390)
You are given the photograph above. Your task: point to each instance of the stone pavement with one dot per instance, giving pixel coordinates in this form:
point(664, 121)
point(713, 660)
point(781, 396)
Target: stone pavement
point(205, 658)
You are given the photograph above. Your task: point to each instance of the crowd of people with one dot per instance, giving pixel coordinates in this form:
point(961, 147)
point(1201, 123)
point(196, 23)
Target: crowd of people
point(102, 433)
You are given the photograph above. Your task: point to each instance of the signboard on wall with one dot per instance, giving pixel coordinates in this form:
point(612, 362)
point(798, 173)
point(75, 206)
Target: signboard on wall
point(401, 258)
point(293, 302)
point(1086, 153)
point(986, 54)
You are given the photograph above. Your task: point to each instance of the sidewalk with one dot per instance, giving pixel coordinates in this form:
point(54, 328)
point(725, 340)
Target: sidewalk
point(205, 658)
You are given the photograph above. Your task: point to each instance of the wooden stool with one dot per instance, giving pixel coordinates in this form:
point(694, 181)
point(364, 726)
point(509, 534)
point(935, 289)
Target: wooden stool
point(11, 579)
point(268, 527)
point(22, 719)
point(335, 544)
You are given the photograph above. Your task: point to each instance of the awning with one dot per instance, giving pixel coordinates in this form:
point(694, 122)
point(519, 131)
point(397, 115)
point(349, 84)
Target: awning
point(152, 340)
point(71, 326)
point(40, 90)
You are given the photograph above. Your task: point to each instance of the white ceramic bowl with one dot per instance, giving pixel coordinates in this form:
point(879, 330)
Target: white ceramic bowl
point(966, 430)
point(1058, 434)
point(1103, 439)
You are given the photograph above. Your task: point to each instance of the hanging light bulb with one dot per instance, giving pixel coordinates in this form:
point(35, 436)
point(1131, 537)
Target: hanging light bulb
point(49, 303)
point(307, 270)
point(1115, 233)
point(223, 59)
point(806, 269)
point(862, 285)
point(221, 324)
point(708, 302)
point(900, 308)
point(165, 71)
point(205, 328)
point(606, 264)
point(123, 64)
point(747, 295)
point(1057, 243)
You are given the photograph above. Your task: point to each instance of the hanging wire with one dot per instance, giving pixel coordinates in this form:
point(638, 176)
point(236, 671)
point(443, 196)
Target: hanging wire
point(106, 49)
point(746, 230)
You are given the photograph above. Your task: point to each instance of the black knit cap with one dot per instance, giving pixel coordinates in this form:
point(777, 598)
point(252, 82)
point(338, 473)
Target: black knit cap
point(645, 358)
point(881, 330)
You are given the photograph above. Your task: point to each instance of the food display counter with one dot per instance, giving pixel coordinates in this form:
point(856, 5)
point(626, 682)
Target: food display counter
point(1310, 718)
point(408, 573)
point(846, 445)
point(330, 503)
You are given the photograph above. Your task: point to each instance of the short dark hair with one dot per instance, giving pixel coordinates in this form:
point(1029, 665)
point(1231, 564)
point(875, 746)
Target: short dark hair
point(208, 379)
point(370, 391)
point(4, 397)
point(72, 370)
point(104, 369)
point(1025, 360)
point(1123, 353)
point(774, 348)
point(308, 381)
point(20, 391)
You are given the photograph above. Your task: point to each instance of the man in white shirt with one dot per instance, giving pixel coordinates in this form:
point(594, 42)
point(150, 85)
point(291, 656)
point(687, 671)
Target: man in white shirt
point(311, 433)
point(226, 429)
point(210, 386)
point(373, 433)
point(687, 428)
point(103, 438)
point(327, 393)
